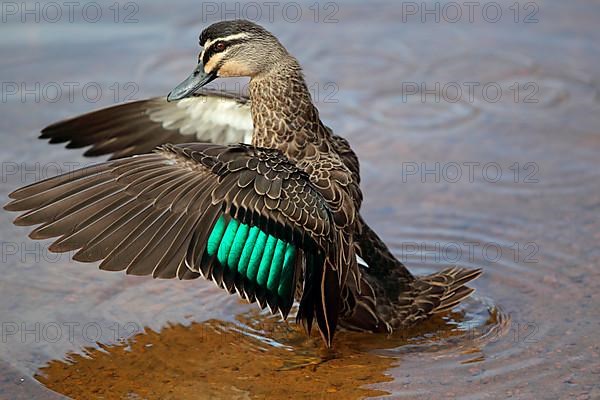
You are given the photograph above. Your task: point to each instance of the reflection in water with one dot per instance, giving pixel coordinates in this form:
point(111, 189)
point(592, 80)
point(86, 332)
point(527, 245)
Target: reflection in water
point(259, 356)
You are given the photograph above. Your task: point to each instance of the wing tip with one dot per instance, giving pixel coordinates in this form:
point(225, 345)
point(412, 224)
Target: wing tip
point(10, 206)
point(46, 132)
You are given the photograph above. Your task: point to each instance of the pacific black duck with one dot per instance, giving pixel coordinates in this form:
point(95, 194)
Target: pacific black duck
point(275, 220)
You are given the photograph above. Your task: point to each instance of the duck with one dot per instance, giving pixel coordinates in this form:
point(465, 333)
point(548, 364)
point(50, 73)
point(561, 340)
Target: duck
point(254, 193)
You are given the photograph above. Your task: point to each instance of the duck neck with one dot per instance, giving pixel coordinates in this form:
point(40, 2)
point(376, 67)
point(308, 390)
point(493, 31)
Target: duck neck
point(283, 113)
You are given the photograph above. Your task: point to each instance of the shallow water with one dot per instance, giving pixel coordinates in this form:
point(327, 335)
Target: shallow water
point(509, 183)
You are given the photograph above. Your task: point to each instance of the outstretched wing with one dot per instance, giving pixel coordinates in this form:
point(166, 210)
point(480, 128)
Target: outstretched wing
point(244, 217)
point(140, 126)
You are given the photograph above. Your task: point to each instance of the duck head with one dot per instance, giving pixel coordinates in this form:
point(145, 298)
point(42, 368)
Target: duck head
point(236, 48)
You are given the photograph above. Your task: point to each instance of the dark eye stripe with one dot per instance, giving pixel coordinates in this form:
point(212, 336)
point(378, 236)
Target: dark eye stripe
point(211, 51)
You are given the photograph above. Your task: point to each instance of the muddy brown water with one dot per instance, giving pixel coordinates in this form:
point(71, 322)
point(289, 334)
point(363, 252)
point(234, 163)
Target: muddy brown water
point(505, 176)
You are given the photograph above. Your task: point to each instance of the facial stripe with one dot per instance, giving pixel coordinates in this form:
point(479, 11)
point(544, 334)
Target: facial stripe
point(209, 50)
point(242, 35)
point(236, 36)
point(214, 62)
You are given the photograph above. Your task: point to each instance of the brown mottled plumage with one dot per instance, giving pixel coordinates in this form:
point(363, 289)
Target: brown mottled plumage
point(295, 180)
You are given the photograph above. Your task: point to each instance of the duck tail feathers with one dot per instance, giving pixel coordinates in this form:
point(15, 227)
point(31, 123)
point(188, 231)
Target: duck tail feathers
point(447, 288)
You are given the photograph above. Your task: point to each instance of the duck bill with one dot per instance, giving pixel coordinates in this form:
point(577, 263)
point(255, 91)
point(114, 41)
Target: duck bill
point(195, 81)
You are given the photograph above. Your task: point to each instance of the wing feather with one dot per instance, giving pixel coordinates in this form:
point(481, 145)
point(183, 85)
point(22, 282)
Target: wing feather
point(152, 214)
point(138, 127)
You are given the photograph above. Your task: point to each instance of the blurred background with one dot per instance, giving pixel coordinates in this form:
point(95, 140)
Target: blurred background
point(477, 127)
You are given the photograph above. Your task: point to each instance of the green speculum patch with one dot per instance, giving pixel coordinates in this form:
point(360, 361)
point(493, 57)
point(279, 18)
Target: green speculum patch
point(258, 257)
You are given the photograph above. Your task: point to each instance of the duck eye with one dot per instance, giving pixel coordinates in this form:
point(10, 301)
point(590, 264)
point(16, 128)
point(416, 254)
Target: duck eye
point(219, 46)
